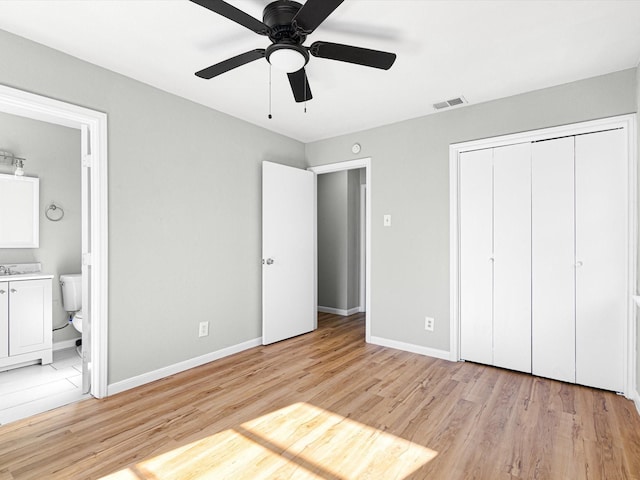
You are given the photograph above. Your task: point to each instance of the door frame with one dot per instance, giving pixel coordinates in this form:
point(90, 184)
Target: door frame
point(354, 165)
point(362, 238)
point(625, 122)
point(38, 107)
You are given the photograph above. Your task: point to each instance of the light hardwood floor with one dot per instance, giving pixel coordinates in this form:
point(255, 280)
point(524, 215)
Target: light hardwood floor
point(328, 406)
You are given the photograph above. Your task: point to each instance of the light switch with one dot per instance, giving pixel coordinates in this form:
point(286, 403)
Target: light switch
point(387, 220)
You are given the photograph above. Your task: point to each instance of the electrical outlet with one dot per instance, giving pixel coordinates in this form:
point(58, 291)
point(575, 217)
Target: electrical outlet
point(204, 329)
point(429, 323)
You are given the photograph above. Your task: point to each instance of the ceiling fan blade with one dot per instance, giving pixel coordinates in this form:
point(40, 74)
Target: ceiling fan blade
point(348, 53)
point(300, 85)
point(234, 14)
point(313, 13)
point(231, 63)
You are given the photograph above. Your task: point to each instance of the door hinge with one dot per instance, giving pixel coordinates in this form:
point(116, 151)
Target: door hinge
point(87, 160)
point(86, 259)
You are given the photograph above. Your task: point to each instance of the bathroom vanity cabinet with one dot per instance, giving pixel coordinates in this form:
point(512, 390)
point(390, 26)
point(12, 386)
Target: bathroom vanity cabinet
point(26, 335)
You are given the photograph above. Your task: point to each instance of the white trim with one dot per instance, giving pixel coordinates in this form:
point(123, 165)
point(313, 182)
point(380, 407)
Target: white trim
point(620, 121)
point(454, 255)
point(410, 347)
point(340, 311)
point(636, 399)
point(315, 251)
point(64, 344)
point(352, 165)
point(626, 122)
point(631, 348)
point(341, 166)
point(160, 373)
point(45, 109)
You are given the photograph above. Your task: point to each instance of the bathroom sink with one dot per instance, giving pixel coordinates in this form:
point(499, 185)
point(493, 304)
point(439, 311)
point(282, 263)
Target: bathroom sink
point(20, 271)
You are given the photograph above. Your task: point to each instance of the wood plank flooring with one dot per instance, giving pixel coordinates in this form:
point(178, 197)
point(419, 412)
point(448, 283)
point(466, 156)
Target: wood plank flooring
point(328, 406)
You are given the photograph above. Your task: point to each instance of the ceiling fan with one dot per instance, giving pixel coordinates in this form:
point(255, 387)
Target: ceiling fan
point(287, 24)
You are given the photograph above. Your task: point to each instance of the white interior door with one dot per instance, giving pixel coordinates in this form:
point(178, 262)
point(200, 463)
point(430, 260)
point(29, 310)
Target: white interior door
point(289, 306)
point(476, 252)
point(86, 258)
point(601, 259)
point(553, 259)
point(512, 257)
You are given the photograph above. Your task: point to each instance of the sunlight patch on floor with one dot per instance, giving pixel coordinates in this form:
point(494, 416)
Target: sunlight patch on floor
point(300, 441)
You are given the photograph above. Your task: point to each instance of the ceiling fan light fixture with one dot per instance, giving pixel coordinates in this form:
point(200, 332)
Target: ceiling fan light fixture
point(287, 58)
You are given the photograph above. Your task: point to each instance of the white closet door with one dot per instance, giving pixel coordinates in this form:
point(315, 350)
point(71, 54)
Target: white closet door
point(601, 258)
point(476, 225)
point(512, 257)
point(553, 259)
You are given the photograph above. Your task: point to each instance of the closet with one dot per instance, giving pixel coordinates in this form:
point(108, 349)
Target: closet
point(543, 267)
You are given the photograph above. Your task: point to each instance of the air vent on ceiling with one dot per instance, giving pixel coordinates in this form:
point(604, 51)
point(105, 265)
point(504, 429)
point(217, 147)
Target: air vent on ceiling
point(449, 103)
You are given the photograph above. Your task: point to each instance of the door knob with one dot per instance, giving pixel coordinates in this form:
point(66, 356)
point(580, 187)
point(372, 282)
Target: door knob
point(2, 292)
point(578, 264)
point(13, 290)
point(270, 261)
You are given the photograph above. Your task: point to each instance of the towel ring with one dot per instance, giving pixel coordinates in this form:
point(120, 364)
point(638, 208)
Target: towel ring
point(51, 214)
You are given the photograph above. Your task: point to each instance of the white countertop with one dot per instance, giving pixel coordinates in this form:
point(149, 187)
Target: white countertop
point(25, 276)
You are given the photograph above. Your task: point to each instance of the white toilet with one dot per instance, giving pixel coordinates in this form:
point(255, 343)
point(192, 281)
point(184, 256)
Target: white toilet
point(71, 284)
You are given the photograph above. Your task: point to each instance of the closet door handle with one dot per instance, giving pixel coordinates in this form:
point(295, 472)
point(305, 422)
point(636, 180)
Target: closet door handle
point(13, 290)
point(578, 264)
point(2, 292)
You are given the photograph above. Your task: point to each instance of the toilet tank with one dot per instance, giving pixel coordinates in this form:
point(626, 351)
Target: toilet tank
point(71, 291)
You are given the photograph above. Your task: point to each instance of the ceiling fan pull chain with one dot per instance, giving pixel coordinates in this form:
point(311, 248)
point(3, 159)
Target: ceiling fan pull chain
point(270, 117)
point(305, 92)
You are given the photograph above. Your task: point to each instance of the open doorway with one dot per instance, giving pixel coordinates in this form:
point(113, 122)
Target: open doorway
point(339, 247)
point(41, 366)
point(92, 145)
point(344, 238)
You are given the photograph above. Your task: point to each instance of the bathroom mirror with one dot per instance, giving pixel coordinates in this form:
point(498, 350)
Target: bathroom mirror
point(19, 212)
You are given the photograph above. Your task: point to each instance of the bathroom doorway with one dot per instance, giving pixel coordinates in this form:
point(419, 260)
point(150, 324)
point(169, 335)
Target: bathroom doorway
point(92, 163)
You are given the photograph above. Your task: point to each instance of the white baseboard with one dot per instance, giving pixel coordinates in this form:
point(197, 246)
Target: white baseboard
point(339, 311)
point(410, 347)
point(61, 345)
point(148, 377)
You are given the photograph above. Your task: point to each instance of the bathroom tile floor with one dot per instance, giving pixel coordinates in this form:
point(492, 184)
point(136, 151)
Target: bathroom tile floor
point(29, 390)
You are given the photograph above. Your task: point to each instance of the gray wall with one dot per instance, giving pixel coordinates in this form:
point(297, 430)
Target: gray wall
point(410, 180)
point(184, 209)
point(353, 239)
point(332, 240)
point(338, 239)
point(52, 154)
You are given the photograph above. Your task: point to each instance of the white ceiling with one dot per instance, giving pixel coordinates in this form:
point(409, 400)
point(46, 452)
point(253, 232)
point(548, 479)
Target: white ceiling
point(482, 50)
